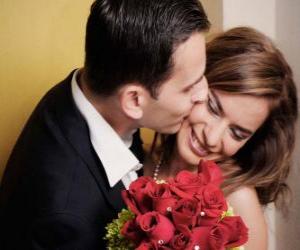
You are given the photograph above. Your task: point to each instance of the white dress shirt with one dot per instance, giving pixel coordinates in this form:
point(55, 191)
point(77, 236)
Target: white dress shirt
point(118, 161)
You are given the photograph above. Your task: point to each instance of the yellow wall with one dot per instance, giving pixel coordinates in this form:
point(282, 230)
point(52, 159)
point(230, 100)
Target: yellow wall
point(41, 42)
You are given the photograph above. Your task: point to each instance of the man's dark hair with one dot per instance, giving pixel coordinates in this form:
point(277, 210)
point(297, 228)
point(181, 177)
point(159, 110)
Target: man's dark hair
point(134, 40)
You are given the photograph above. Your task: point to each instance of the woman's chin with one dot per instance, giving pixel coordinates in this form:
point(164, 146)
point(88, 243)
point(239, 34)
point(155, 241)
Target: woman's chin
point(192, 159)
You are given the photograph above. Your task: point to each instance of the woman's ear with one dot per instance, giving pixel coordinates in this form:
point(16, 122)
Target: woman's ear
point(132, 100)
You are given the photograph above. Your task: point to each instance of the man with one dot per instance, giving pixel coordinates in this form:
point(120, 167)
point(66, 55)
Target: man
point(144, 67)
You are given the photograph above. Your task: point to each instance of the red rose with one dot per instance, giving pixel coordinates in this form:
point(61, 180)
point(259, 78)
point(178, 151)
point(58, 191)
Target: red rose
point(179, 242)
point(186, 212)
point(234, 231)
point(216, 239)
point(213, 204)
point(151, 246)
point(146, 246)
point(140, 183)
point(206, 238)
point(210, 172)
point(130, 202)
point(182, 238)
point(132, 232)
point(157, 227)
point(186, 177)
point(162, 198)
point(187, 182)
point(137, 198)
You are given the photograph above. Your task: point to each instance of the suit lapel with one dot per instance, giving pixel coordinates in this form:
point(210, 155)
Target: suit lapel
point(76, 131)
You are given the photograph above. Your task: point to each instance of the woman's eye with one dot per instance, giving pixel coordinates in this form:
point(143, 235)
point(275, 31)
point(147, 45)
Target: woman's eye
point(238, 135)
point(212, 107)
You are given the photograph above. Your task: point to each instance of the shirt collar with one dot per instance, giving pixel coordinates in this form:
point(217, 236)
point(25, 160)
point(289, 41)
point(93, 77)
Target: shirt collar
point(113, 152)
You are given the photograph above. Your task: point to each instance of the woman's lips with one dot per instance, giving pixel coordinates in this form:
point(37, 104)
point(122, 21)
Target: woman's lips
point(196, 146)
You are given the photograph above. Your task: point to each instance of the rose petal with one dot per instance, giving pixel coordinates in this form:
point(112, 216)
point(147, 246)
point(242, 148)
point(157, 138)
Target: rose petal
point(132, 232)
point(211, 172)
point(130, 202)
point(186, 212)
point(206, 238)
point(156, 226)
point(234, 230)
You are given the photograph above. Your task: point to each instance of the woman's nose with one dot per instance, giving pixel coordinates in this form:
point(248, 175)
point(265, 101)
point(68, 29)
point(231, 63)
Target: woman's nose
point(213, 135)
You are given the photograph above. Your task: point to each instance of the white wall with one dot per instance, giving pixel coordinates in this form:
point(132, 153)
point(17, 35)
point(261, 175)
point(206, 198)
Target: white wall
point(260, 15)
point(288, 40)
point(256, 13)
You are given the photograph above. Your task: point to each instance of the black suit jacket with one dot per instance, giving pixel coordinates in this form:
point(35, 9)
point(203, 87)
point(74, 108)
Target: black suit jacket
point(54, 193)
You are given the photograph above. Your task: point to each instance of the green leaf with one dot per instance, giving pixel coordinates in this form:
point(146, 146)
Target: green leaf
point(113, 236)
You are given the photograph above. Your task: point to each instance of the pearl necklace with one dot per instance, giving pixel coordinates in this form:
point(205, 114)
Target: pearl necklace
point(156, 170)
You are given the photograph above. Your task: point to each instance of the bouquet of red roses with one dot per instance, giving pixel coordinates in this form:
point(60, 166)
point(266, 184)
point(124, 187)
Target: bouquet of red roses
point(186, 212)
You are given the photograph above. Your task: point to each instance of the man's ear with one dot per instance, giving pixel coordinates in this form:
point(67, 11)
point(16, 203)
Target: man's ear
point(133, 99)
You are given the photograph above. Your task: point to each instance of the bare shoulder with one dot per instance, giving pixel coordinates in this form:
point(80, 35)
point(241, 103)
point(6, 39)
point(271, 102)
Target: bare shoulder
point(243, 197)
point(245, 203)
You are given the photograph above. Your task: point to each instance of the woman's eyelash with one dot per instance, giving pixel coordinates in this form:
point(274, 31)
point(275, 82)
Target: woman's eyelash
point(212, 107)
point(237, 136)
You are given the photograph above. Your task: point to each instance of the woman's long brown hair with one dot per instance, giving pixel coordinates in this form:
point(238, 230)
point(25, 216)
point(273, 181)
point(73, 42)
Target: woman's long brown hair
point(243, 61)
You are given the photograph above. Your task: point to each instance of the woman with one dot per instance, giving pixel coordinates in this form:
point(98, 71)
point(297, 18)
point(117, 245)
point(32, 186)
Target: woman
point(247, 126)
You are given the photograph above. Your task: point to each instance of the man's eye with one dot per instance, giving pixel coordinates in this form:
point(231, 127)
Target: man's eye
point(188, 89)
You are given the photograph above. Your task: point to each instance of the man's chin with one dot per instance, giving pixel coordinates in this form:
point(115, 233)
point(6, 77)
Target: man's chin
point(170, 129)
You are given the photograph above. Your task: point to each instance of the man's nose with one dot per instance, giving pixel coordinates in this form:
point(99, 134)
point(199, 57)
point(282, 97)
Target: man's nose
point(200, 92)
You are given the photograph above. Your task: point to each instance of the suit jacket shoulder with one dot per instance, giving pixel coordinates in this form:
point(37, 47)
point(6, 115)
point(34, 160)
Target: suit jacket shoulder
point(54, 177)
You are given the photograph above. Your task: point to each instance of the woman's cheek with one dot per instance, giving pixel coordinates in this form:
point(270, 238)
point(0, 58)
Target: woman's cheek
point(198, 113)
point(231, 147)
